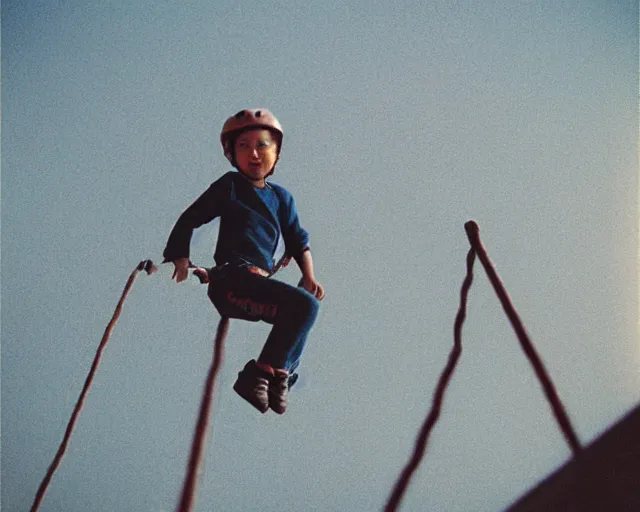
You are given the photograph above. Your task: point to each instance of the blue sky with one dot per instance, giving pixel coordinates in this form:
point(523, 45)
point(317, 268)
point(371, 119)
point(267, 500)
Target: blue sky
point(402, 121)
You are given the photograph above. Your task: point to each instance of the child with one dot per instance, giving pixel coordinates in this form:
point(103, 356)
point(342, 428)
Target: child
point(254, 217)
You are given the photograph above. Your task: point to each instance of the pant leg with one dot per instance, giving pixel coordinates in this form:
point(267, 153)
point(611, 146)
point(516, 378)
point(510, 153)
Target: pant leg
point(292, 311)
point(288, 337)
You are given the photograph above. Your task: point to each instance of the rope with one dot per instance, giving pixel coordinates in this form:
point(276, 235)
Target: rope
point(477, 248)
point(197, 448)
point(473, 233)
point(187, 499)
point(434, 413)
point(149, 268)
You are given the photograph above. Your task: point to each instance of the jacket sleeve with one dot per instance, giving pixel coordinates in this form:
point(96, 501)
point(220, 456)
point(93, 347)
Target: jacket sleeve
point(296, 238)
point(204, 209)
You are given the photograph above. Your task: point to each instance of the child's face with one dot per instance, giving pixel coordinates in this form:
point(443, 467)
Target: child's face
point(256, 153)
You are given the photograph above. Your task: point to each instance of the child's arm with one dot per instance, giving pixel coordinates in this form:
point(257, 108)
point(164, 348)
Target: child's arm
point(203, 210)
point(305, 262)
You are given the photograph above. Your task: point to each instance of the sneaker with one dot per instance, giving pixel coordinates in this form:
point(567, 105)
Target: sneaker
point(278, 390)
point(253, 385)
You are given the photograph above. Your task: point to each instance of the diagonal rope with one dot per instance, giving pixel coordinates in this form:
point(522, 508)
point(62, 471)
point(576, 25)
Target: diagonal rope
point(198, 443)
point(477, 248)
point(187, 499)
point(473, 233)
point(149, 268)
point(438, 397)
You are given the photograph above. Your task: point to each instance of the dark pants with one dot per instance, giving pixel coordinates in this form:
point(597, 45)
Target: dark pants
point(238, 293)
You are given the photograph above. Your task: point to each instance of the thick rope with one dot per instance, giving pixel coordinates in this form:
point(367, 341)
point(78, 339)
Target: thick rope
point(477, 248)
point(473, 233)
point(187, 499)
point(148, 267)
point(198, 444)
point(434, 413)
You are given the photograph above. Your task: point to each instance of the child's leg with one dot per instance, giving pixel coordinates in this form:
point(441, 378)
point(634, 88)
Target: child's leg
point(292, 312)
point(293, 359)
point(291, 327)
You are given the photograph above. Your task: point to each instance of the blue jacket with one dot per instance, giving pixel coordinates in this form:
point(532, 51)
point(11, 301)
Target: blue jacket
point(249, 232)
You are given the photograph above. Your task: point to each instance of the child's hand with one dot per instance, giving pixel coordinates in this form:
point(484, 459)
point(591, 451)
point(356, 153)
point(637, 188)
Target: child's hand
point(313, 287)
point(181, 271)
